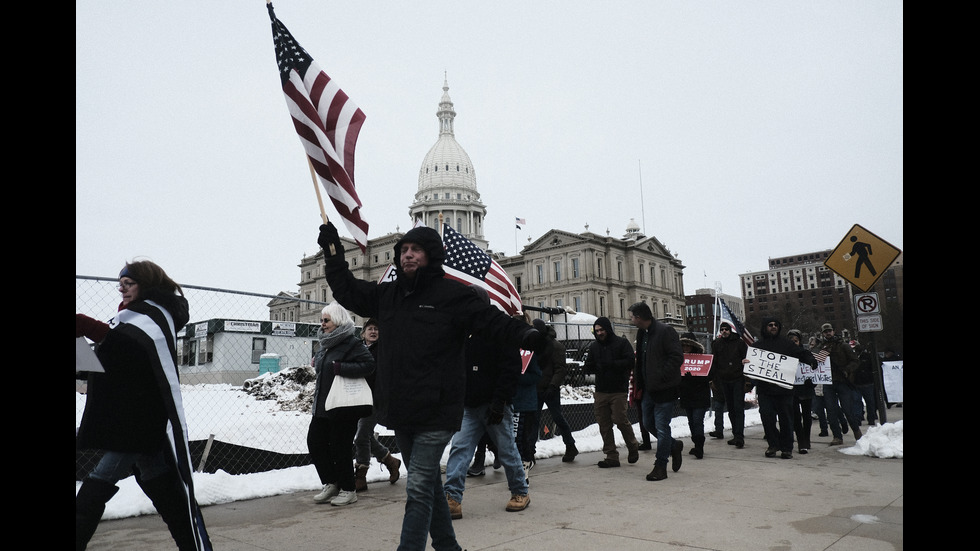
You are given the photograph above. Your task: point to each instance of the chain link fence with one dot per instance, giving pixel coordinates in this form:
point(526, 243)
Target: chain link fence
point(235, 361)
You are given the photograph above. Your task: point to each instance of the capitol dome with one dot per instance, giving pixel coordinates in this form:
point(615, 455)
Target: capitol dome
point(446, 164)
point(447, 182)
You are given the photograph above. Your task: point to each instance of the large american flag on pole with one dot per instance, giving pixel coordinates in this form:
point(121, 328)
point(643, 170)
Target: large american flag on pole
point(740, 330)
point(327, 122)
point(467, 263)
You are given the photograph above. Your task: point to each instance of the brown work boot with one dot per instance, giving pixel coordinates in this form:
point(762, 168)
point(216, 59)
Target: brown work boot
point(836, 442)
point(518, 503)
point(393, 464)
point(360, 477)
point(455, 508)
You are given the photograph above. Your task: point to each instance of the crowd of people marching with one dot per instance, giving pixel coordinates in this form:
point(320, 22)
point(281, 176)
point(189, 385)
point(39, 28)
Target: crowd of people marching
point(446, 368)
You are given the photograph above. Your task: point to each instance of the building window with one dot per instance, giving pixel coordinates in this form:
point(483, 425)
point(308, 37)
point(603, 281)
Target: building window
point(540, 274)
point(557, 265)
point(619, 269)
point(258, 348)
point(575, 269)
point(602, 306)
point(577, 301)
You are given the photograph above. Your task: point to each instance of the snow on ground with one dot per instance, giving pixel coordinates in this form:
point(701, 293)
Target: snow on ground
point(271, 412)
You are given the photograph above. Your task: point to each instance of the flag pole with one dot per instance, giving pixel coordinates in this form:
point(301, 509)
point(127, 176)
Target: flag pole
point(319, 199)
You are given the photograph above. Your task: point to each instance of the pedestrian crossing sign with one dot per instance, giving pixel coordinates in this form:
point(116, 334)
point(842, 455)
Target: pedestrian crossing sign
point(862, 257)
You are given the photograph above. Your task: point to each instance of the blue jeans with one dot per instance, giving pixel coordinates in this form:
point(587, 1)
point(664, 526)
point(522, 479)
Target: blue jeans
point(866, 393)
point(837, 400)
point(426, 509)
point(365, 444)
point(464, 445)
point(695, 420)
point(115, 466)
point(659, 414)
point(553, 399)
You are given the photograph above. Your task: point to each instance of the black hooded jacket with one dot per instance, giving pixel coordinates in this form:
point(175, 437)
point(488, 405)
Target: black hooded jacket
point(611, 360)
point(425, 321)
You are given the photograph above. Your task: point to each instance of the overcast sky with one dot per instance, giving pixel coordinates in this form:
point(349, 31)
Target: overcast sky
point(751, 129)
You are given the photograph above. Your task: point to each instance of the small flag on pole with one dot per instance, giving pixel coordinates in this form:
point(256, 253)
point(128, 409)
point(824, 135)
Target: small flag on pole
point(467, 263)
point(327, 122)
point(740, 330)
point(520, 222)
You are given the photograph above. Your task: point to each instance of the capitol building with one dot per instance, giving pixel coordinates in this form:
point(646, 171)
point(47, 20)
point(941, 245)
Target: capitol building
point(562, 270)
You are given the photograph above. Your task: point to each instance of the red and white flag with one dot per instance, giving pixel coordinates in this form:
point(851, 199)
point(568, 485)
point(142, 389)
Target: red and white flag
point(327, 122)
point(467, 263)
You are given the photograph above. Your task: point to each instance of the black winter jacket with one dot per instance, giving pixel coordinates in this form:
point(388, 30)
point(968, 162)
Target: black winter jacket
point(780, 345)
point(611, 361)
point(424, 322)
point(658, 362)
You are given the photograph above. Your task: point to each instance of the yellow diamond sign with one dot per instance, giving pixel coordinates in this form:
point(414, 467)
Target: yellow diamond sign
point(862, 257)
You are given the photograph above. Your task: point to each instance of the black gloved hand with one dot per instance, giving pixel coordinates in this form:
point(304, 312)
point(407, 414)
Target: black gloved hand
point(496, 413)
point(534, 341)
point(329, 236)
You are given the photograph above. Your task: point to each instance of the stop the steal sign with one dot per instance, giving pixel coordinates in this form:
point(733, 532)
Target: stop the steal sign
point(771, 367)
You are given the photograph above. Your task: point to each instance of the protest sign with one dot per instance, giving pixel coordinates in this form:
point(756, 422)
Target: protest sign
point(893, 376)
point(771, 367)
point(697, 364)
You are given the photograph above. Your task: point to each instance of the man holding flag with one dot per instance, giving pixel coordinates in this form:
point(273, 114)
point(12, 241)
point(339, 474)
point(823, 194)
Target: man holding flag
point(426, 318)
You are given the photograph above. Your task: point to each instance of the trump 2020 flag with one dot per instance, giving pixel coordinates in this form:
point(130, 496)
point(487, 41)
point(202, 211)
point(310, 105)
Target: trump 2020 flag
point(728, 317)
point(467, 263)
point(327, 122)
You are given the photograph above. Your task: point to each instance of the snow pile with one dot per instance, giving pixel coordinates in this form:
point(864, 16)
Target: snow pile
point(885, 441)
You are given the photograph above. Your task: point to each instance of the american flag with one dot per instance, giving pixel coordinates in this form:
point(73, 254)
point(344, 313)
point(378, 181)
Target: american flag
point(740, 330)
point(821, 355)
point(520, 221)
point(327, 122)
point(467, 263)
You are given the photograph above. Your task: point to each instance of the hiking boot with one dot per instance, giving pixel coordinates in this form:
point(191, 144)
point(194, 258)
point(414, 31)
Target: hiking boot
point(771, 452)
point(786, 455)
point(329, 492)
point(394, 465)
point(360, 477)
point(717, 434)
point(455, 508)
point(675, 455)
point(645, 447)
point(570, 452)
point(836, 442)
point(659, 472)
point(344, 498)
point(823, 433)
point(608, 463)
point(518, 503)
point(634, 454)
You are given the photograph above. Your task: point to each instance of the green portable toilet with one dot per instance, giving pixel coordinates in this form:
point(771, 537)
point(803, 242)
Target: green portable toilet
point(268, 363)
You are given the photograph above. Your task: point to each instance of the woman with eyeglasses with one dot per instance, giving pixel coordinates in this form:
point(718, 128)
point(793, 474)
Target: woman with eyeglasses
point(331, 432)
point(133, 410)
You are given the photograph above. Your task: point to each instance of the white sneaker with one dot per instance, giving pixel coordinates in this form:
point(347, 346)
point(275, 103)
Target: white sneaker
point(344, 498)
point(329, 491)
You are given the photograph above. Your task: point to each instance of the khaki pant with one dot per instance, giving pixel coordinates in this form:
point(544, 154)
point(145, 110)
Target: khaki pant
point(610, 410)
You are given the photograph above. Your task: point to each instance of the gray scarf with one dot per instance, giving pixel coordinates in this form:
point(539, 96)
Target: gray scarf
point(338, 335)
